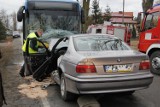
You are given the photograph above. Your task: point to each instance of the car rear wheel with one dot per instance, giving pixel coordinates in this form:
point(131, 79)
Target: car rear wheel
point(155, 62)
point(66, 96)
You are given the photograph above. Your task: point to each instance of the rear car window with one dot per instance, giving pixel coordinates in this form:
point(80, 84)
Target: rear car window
point(99, 43)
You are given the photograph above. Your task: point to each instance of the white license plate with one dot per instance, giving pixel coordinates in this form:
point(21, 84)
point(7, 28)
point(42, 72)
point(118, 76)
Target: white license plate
point(118, 68)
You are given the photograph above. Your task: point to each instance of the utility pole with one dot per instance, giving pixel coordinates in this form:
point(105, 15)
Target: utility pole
point(123, 11)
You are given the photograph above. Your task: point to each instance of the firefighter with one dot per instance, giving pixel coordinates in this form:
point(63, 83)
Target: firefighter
point(33, 48)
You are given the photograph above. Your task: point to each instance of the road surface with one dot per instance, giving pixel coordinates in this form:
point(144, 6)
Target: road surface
point(26, 92)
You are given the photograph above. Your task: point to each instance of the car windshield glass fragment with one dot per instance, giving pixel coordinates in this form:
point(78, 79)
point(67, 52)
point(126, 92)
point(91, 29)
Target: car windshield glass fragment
point(99, 43)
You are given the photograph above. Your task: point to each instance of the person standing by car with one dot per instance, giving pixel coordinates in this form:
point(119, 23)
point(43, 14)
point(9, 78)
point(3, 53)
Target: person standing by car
point(34, 44)
point(33, 48)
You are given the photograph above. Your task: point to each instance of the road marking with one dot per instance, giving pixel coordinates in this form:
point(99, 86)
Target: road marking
point(45, 102)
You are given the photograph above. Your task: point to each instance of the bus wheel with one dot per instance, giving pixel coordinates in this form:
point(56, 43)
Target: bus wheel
point(155, 62)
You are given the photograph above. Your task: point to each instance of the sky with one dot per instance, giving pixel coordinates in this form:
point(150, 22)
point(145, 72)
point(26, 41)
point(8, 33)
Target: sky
point(10, 5)
point(115, 5)
point(134, 6)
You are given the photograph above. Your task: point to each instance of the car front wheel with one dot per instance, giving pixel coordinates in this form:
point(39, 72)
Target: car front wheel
point(155, 62)
point(66, 96)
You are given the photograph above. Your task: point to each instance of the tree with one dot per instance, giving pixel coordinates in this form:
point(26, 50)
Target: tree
point(2, 30)
point(146, 4)
point(14, 15)
point(107, 13)
point(3, 24)
point(4, 18)
point(96, 12)
point(133, 31)
point(86, 4)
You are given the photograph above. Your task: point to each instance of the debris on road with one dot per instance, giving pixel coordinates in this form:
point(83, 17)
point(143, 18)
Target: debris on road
point(87, 101)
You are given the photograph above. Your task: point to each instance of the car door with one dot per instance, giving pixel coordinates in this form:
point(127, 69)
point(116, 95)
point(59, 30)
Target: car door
point(35, 60)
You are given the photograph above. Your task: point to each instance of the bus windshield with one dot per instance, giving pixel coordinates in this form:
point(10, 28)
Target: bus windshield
point(54, 23)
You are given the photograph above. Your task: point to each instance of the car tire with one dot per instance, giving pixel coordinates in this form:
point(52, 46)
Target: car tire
point(66, 96)
point(154, 61)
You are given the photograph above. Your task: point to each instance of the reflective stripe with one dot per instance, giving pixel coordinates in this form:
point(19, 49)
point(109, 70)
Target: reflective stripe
point(31, 35)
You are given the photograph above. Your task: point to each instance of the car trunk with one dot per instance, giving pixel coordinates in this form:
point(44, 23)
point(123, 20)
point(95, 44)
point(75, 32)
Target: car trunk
point(115, 61)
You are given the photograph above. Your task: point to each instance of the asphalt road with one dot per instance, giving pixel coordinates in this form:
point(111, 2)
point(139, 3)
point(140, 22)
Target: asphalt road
point(149, 97)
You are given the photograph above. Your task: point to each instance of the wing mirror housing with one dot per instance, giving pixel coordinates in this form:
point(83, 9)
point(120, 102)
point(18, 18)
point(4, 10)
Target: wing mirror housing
point(20, 14)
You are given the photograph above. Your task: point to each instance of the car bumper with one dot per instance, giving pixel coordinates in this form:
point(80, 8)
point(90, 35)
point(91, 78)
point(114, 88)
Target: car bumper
point(108, 84)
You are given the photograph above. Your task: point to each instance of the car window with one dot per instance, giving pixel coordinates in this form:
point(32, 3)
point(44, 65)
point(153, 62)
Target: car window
point(151, 20)
point(99, 43)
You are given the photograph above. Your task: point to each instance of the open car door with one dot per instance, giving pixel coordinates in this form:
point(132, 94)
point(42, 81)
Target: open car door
point(40, 65)
point(34, 60)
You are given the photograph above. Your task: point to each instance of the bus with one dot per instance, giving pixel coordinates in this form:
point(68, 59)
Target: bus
point(57, 18)
point(51, 15)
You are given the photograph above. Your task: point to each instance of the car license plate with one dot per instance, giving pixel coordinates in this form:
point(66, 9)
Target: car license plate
point(118, 68)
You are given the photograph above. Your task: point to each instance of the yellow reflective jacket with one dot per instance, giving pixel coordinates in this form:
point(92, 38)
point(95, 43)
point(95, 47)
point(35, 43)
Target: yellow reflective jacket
point(31, 35)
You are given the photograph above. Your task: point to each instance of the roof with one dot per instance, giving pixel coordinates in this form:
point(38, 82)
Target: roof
point(120, 20)
point(117, 17)
point(120, 14)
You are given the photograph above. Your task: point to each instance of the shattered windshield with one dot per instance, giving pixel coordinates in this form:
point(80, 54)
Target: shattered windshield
point(55, 24)
point(99, 43)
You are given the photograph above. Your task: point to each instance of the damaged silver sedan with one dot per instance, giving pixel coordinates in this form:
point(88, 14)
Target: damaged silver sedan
point(100, 64)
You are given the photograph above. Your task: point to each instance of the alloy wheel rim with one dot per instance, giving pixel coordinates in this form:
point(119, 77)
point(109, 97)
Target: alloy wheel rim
point(156, 63)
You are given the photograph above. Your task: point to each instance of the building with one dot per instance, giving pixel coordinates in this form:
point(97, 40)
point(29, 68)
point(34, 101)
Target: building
point(119, 18)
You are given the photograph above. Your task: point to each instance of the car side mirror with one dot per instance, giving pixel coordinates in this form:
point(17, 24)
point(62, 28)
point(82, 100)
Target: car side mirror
point(82, 17)
point(20, 13)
